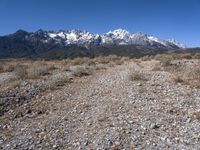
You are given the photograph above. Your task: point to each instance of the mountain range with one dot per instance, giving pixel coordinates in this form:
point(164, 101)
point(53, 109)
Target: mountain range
point(41, 43)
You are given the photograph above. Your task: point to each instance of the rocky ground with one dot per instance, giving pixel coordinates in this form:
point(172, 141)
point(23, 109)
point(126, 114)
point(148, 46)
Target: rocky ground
point(107, 110)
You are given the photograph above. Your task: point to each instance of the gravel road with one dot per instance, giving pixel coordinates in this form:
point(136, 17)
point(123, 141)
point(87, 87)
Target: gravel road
point(107, 110)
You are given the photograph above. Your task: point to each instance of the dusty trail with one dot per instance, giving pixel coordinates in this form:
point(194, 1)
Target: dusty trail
point(109, 111)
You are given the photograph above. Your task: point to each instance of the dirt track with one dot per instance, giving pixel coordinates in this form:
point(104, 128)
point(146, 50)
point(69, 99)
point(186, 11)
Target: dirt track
point(109, 111)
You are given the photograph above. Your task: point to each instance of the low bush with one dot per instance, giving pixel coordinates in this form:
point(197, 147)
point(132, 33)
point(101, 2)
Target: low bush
point(135, 76)
point(80, 71)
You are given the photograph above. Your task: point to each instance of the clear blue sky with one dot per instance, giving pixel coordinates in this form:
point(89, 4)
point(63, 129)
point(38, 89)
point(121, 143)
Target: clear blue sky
point(178, 19)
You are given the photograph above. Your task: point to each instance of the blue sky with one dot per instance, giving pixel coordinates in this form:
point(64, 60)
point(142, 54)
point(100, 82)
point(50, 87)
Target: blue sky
point(178, 19)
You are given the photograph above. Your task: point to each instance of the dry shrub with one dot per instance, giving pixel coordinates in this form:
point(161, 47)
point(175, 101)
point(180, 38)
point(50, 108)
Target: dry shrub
point(33, 71)
point(106, 59)
point(4, 67)
point(136, 60)
point(193, 78)
point(157, 67)
point(1, 68)
point(66, 68)
point(186, 73)
point(56, 81)
point(39, 69)
point(135, 76)
point(101, 60)
point(165, 60)
point(185, 56)
point(21, 71)
point(9, 68)
point(146, 58)
point(196, 56)
point(80, 71)
point(178, 79)
point(80, 61)
point(94, 61)
point(100, 67)
point(120, 61)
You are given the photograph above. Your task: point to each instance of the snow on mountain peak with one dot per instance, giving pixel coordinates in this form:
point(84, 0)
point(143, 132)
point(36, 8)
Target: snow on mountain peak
point(119, 33)
point(115, 37)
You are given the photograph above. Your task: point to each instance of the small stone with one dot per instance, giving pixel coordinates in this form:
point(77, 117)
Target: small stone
point(131, 121)
point(117, 143)
point(154, 126)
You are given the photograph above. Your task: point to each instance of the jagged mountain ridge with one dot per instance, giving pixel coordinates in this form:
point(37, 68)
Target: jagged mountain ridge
point(75, 43)
point(86, 39)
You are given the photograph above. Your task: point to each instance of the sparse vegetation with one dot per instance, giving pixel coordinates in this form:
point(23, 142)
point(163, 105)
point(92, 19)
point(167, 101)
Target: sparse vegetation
point(165, 60)
point(37, 70)
point(32, 77)
point(178, 79)
point(80, 71)
point(32, 71)
point(6, 67)
point(21, 71)
point(184, 69)
point(141, 76)
point(53, 90)
point(157, 67)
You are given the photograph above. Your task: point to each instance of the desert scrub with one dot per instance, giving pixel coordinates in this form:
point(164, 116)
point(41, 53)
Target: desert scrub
point(138, 76)
point(186, 73)
point(146, 58)
point(1, 68)
point(107, 59)
point(55, 81)
point(80, 71)
point(32, 71)
point(178, 79)
point(4, 67)
point(21, 71)
point(165, 60)
point(80, 61)
point(156, 67)
point(39, 69)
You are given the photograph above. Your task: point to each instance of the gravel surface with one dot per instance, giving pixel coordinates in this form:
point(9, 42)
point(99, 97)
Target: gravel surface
point(107, 110)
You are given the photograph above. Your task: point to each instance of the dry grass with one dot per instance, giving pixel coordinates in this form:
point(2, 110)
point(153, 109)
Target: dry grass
point(185, 72)
point(94, 61)
point(165, 60)
point(21, 71)
point(80, 61)
point(157, 67)
point(80, 71)
point(33, 71)
point(53, 74)
point(4, 67)
point(56, 81)
point(178, 79)
point(138, 76)
point(146, 58)
point(37, 70)
point(1, 68)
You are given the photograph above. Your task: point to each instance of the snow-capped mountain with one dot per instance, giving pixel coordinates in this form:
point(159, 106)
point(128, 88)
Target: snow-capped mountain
point(88, 40)
point(76, 43)
point(123, 37)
